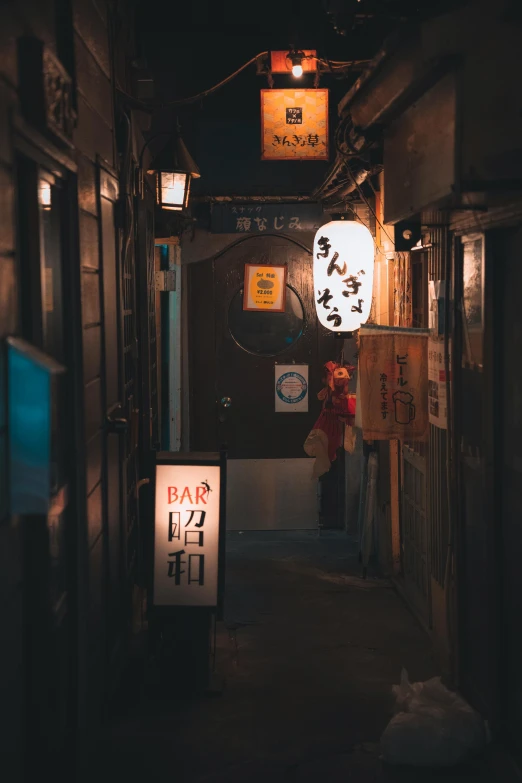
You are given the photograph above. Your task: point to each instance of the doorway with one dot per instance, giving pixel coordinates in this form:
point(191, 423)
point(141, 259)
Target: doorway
point(509, 477)
point(45, 221)
point(234, 356)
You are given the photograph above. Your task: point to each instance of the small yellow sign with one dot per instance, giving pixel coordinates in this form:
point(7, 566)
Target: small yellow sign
point(294, 124)
point(265, 288)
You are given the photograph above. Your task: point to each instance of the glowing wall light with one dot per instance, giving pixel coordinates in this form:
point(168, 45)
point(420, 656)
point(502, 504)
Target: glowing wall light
point(44, 194)
point(174, 169)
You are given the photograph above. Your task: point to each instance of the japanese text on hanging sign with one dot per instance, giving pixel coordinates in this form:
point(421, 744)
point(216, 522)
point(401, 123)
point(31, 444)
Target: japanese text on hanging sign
point(393, 383)
point(343, 275)
point(294, 124)
point(265, 218)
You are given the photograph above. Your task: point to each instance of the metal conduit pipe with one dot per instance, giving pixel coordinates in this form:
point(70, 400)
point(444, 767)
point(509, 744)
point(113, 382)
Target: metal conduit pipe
point(345, 188)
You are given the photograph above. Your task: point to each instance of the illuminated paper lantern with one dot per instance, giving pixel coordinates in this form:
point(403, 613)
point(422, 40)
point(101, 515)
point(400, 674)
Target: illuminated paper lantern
point(343, 275)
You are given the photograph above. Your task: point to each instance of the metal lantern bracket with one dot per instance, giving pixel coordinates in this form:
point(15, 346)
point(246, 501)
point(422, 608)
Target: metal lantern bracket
point(139, 173)
point(181, 156)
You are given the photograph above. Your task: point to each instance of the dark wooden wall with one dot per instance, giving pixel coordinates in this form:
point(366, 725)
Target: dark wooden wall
point(103, 362)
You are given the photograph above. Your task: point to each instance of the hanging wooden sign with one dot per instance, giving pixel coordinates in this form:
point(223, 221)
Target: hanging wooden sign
point(294, 124)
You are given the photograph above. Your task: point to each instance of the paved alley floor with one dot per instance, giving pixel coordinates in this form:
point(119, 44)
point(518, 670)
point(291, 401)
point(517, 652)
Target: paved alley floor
point(307, 657)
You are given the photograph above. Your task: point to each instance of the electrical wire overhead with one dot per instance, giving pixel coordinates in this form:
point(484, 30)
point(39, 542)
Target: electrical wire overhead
point(331, 65)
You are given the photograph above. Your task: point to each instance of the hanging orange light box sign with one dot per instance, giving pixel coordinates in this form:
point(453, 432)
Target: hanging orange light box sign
point(343, 275)
point(294, 125)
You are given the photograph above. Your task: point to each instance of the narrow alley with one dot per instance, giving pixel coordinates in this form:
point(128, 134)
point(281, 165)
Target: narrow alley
point(260, 396)
point(305, 661)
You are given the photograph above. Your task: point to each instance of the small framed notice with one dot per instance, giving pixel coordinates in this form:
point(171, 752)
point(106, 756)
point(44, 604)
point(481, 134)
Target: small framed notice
point(291, 388)
point(265, 288)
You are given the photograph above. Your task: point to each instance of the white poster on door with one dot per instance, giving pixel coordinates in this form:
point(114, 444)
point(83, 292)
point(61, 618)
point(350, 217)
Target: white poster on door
point(437, 398)
point(291, 388)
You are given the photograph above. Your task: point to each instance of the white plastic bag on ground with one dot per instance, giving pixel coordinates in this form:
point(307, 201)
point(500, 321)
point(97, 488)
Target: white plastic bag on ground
point(433, 728)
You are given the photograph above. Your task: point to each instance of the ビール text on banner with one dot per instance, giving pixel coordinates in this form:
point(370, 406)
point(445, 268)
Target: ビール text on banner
point(393, 367)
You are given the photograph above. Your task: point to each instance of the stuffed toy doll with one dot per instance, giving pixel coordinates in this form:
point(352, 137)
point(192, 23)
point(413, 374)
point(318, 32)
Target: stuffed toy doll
point(326, 436)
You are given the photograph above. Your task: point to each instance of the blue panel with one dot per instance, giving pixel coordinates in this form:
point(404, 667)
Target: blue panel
point(29, 423)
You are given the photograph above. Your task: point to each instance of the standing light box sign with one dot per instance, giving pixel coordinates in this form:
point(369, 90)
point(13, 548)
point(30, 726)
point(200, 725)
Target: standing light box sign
point(343, 275)
point(186, 535)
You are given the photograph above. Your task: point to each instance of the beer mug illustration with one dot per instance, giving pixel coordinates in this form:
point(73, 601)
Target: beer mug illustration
point(404, 410)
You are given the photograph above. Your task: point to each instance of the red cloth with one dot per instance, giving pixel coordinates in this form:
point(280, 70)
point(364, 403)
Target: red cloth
point(336, 411)
point(329, 423)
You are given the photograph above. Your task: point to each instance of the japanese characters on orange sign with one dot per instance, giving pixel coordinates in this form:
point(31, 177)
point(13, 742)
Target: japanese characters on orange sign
point(265, 288)
point(393, 367)
point(294, 124)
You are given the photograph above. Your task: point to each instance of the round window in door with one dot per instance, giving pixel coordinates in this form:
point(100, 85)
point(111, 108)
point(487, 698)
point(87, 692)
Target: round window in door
point(266, 333)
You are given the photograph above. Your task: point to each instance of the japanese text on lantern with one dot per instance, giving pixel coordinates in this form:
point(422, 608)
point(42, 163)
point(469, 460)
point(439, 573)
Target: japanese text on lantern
point(186, 535)
point(351, 284)
point(343, 260)
point(294, 124)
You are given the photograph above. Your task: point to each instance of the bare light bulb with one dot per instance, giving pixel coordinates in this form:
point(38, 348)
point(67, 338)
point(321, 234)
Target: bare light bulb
point(297, 70)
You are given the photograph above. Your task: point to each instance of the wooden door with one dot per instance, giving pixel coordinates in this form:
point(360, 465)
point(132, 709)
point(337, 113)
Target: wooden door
point(233, 359)
point(46, 222)
point(411, 275)
point(508, 351)
point(473, 419)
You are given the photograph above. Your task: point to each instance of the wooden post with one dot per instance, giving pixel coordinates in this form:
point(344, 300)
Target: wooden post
point(395, 506)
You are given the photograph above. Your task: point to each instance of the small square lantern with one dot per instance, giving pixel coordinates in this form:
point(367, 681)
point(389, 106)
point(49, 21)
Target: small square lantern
point(174, 169)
